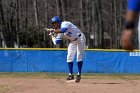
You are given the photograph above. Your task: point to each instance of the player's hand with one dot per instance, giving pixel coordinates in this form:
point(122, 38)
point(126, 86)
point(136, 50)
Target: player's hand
point(126, 38)
point(49, 30)
point(51, 34)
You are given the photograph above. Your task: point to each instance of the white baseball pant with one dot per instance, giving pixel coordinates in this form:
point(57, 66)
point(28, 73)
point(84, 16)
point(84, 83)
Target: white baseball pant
point(76, 46)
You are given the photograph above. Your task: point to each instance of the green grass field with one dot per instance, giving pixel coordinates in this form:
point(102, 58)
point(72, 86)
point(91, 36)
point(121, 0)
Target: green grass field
point(63, 76)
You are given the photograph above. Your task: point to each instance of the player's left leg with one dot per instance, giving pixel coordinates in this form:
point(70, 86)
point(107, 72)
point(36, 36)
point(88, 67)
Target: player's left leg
point(79, 64)
point(80, 55)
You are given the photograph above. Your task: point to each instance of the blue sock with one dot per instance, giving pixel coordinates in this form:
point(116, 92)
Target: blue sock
point(79, 64)
point(70, 66)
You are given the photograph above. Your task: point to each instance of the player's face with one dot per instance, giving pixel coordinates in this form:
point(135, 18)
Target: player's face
point(56, 25)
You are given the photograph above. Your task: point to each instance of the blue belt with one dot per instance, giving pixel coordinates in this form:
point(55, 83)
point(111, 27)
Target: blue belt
point(77, 38)
point(79, 35)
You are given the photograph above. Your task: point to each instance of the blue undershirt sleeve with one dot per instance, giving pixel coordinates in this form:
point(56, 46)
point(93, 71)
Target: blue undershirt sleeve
point(64, 30)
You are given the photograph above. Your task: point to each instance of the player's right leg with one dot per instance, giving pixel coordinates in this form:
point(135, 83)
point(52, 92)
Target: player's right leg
point(70, 57)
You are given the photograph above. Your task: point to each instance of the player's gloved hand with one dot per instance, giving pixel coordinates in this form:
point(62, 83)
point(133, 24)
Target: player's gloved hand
point(51, 33)
point(51, 30)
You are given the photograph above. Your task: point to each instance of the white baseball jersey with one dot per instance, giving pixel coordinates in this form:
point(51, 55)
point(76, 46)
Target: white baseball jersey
point(77, 41)
point(72, 32)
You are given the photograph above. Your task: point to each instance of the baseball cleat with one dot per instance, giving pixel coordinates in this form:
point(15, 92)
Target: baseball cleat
point(70, 77)
point(78, 78)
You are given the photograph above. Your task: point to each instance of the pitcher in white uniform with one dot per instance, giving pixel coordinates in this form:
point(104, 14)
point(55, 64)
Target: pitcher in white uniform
point(76, 45)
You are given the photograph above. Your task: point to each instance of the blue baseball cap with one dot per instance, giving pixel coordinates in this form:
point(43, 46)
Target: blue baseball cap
point(56, 19)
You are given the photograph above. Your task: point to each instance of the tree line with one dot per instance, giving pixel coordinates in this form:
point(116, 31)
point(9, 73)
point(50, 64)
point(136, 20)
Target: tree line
point(22, 22)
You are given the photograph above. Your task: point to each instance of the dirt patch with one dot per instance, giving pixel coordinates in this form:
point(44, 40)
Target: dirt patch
point(28, 85)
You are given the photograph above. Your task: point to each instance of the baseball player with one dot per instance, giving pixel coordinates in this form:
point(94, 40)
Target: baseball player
point(76, 45)
point(132, 17)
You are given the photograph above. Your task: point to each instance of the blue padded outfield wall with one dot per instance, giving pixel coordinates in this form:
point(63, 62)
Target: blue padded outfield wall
point(95, 61)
